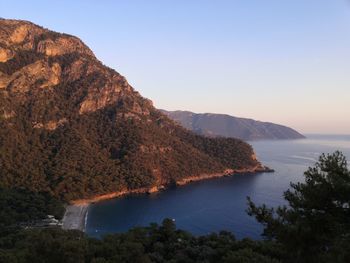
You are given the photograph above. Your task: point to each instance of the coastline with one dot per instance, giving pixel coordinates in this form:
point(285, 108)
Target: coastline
point(227, 172)
point(76, 213)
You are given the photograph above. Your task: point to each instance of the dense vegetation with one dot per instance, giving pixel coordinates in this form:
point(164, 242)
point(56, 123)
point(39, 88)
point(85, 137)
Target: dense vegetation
point(314, 227)
point(124, 144)
point(50, 151)
point(23, 206)
point(100, 153)
point(151, 244)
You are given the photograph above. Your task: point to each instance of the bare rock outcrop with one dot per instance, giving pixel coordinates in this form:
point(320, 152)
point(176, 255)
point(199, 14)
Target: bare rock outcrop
point(63, 57)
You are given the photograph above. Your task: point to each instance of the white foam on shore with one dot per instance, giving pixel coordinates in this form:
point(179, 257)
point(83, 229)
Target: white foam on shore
point(86, 217)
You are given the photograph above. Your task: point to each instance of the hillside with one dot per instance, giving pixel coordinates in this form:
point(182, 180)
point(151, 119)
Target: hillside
point(74, 128)
point(209, 124)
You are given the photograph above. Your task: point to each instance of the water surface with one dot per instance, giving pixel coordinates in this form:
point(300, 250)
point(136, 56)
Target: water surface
point(219, 204)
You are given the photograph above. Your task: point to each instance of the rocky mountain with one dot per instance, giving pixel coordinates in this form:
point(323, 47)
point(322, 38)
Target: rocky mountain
point(209, 124)
point(74, 128)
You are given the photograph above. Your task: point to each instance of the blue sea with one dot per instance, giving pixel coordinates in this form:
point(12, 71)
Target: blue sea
point(219, 204)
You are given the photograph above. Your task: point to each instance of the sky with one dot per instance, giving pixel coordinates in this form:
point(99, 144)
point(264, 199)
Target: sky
point(286, 62)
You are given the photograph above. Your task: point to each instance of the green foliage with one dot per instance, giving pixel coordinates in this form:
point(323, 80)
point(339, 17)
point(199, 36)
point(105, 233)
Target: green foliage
point(315, 226)
point(48, 245)
point(103, 151)
point(127, 144)
point(19, 205)
point(150, 244)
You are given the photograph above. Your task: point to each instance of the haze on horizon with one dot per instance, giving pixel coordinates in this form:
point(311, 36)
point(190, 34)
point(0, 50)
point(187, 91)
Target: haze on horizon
point(280, 61)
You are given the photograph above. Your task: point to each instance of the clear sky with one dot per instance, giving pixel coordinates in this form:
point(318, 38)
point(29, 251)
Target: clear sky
point(281, 61)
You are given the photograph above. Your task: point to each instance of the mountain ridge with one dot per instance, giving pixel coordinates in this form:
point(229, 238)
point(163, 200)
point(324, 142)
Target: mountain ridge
point(74, 128)
point(214, 124)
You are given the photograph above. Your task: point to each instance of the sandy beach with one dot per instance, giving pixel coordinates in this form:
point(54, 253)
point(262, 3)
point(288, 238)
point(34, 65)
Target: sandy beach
point(75, 216)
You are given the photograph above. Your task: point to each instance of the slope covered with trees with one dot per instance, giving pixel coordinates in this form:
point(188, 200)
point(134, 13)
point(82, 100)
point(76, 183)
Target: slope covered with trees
point(313, 228)
point(74, 128)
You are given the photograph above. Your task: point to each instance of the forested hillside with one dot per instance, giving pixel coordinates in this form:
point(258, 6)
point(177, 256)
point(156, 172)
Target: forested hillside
point(74, 128)
point(313, 228)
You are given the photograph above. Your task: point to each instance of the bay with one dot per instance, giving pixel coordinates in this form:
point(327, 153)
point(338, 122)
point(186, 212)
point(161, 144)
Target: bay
point(219, 204)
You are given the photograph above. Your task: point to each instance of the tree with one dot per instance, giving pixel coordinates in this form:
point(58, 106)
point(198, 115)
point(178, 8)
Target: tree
point(315, 226)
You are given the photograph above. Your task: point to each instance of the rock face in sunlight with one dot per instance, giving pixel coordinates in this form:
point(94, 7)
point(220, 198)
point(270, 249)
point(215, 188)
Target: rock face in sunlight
point(209, 124)
point(73, 127)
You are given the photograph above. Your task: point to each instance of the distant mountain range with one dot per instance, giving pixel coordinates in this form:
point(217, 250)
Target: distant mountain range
point(213, 125)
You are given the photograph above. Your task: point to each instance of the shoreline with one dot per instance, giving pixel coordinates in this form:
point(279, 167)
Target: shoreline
point(75, 217)
point(76, 213)
point(227, 172)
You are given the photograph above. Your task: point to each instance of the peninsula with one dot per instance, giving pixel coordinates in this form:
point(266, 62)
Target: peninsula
point(213, 125)
point(76, 129)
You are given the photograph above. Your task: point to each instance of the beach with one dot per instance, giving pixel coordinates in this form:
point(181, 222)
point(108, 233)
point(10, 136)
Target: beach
point(75, 217)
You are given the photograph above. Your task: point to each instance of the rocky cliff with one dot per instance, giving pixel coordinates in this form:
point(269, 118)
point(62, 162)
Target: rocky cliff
point(209, 124)
point(75, 128)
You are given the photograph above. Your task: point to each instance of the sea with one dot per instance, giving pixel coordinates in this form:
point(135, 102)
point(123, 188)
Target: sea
point(219, 204)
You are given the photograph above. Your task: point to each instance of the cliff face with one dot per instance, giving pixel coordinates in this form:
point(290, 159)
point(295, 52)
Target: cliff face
point(76, 128)
point(34, 58)
point(209, 124)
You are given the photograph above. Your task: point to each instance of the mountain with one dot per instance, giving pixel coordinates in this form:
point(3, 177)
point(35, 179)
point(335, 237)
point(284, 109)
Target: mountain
point(74, 128)
point(209, 124)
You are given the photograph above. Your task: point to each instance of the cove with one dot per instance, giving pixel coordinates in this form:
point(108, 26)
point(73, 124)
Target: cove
point(218, 204)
